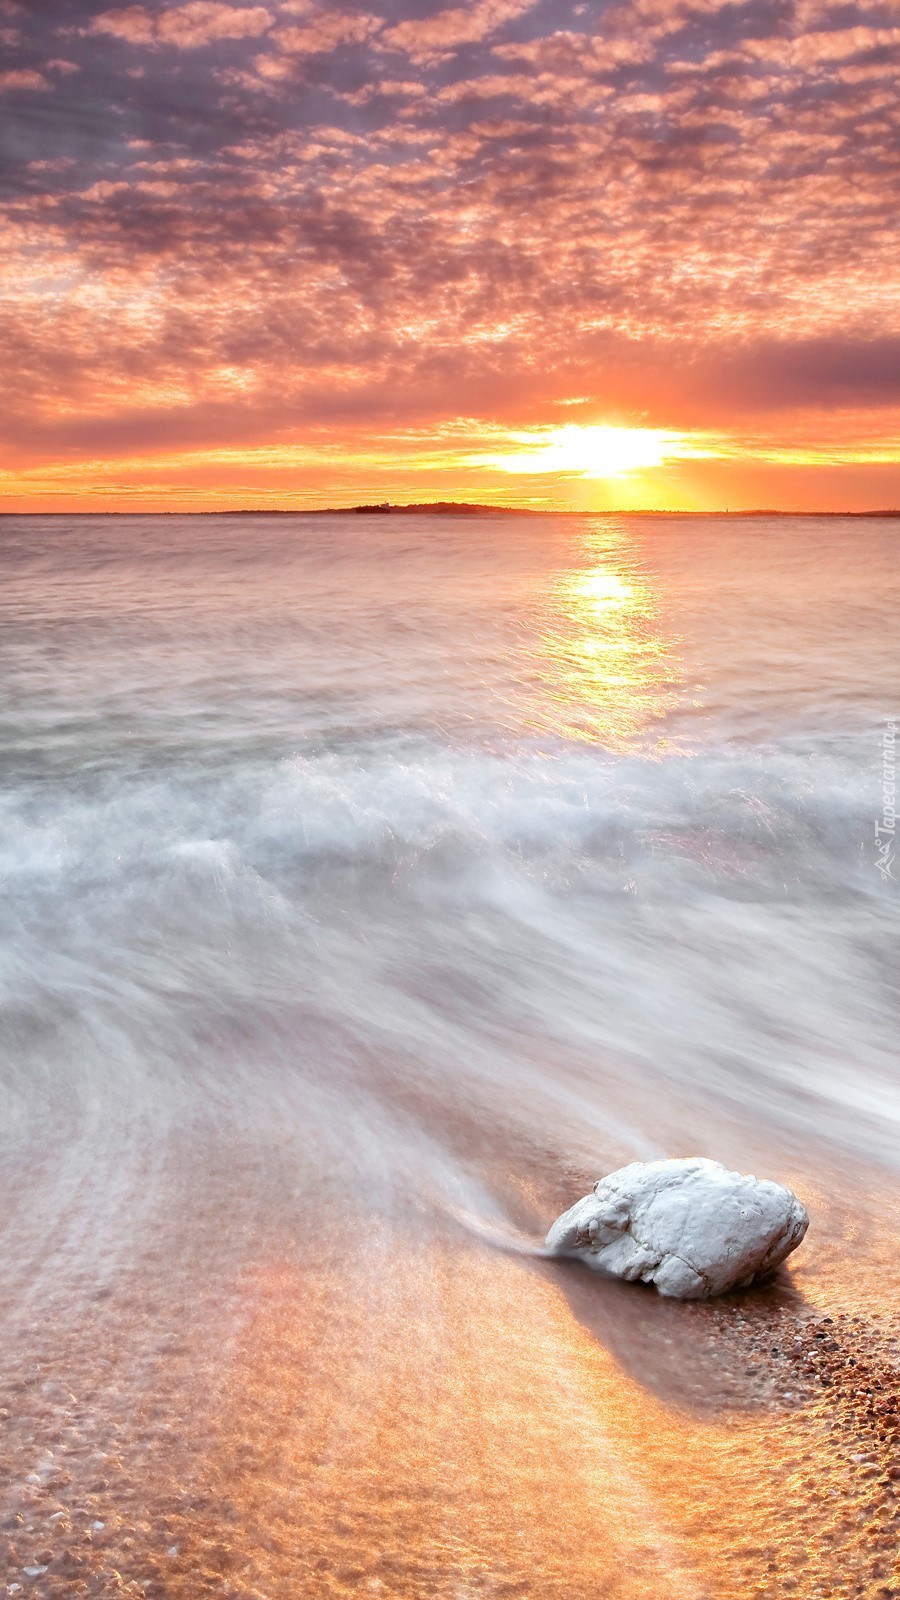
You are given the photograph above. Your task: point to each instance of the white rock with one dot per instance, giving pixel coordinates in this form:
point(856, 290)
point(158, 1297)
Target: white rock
point(691, 1227)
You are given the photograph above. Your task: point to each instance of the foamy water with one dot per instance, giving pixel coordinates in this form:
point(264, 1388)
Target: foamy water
point(369, 887)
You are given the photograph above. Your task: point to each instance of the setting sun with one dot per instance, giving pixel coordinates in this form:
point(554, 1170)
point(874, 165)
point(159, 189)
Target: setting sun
point(600, 451)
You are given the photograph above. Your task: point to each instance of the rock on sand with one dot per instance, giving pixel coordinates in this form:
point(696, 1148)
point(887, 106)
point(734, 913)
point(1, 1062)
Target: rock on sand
point(691, 1227)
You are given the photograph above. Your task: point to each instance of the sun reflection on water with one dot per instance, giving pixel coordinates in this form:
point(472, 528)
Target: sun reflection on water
point(611, 671)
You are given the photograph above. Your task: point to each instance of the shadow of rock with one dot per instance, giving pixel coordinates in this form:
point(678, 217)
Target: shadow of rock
point(708, 1357)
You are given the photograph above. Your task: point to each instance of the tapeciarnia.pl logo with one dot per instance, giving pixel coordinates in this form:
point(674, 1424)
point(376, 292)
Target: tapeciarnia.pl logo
point(886, 828)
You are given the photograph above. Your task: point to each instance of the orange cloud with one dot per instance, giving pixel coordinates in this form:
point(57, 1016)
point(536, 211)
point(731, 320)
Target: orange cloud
point(659, 216)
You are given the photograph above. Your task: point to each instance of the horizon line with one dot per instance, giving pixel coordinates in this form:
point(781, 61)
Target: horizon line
point(450, 508)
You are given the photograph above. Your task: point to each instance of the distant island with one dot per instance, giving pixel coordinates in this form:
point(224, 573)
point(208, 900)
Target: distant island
point(468, 508)
point(465, 508)
point(445, 508)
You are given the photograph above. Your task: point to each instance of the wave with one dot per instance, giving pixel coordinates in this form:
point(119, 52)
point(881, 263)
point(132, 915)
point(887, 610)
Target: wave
point(558, 933)
point(762, 818)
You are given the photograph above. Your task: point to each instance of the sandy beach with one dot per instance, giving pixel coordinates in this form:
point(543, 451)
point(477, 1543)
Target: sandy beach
point(246, 1408)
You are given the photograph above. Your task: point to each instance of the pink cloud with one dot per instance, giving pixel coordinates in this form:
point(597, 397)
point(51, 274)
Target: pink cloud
point(839, 44)
point(566, 51)
point(22, 78)
point(201, 21)
point(189, 26)
point(133, 23)
point(324, 29)
point(430, 37)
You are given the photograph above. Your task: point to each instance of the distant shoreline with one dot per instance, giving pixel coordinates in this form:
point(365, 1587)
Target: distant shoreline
point(448, 508)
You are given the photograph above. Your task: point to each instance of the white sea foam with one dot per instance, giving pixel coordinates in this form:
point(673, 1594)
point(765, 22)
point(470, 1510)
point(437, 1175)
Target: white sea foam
point(465, 898)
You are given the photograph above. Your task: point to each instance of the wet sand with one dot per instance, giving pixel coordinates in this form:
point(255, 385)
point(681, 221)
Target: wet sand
point(263, 1398)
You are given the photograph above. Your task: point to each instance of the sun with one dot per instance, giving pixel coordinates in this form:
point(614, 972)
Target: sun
point(598, 451)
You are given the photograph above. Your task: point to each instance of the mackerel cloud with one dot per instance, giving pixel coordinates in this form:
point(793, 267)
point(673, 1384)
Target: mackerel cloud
point(233, 222)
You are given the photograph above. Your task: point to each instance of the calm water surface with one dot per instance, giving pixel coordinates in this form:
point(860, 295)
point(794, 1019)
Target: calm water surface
point(370, 887)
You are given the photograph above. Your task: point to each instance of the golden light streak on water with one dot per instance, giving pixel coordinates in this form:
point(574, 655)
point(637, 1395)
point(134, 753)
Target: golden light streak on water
point(611, 668)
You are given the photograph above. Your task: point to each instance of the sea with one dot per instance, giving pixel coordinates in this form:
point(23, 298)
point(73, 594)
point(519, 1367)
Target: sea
point(369, 887)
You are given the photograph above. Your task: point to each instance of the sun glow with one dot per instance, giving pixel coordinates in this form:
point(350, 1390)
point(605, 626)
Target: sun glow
point(600, 451)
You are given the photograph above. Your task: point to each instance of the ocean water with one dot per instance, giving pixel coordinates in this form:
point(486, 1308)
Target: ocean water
point(369, 887)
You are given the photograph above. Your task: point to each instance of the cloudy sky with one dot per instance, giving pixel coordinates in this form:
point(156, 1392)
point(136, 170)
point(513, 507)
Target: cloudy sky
point(546, 252)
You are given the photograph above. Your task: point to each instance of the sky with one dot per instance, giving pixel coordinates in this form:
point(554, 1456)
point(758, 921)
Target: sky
point(546, 253)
